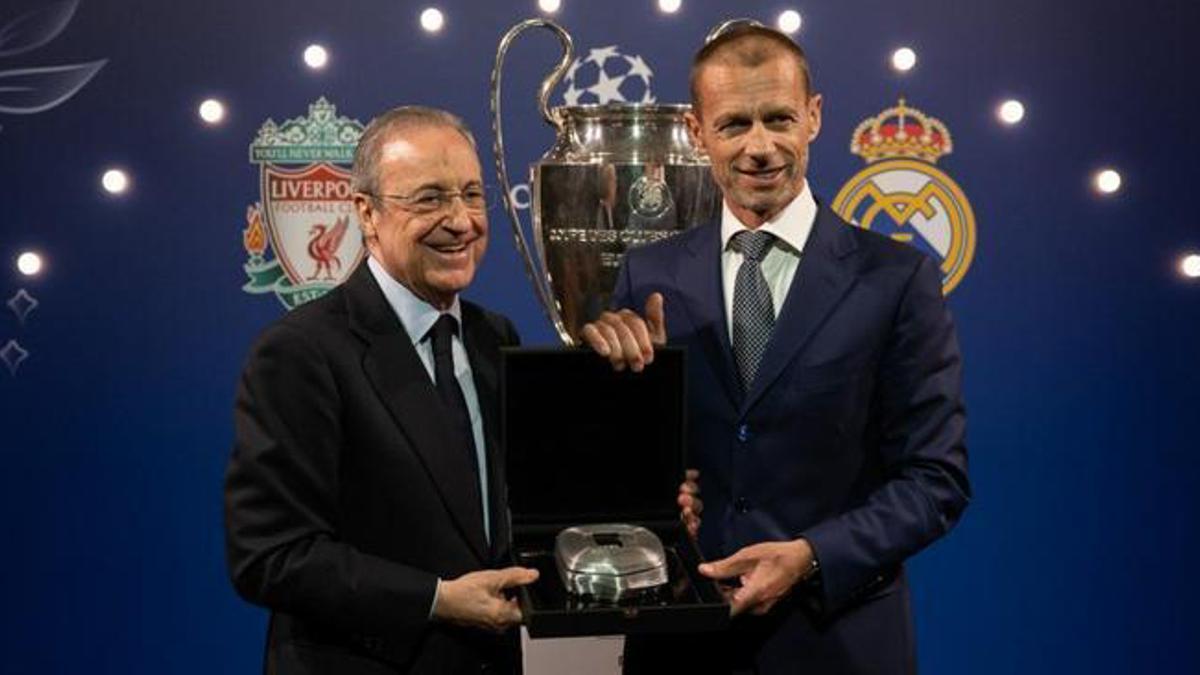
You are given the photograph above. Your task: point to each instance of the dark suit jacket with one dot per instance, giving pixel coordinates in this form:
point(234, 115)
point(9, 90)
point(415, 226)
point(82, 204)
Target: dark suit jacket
point(346, 496)
point(851, 436)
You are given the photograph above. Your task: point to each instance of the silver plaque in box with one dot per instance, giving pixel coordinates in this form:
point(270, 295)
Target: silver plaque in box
point(617, 176)
point(609, 562)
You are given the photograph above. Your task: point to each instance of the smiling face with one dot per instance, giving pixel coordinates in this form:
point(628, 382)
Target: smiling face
point(755, 122)
point(433, 254)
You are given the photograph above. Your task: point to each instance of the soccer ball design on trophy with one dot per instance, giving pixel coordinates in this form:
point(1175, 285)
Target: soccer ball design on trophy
point(607, 76)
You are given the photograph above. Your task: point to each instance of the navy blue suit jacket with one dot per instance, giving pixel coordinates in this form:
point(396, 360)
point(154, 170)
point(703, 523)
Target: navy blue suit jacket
point(852, 435)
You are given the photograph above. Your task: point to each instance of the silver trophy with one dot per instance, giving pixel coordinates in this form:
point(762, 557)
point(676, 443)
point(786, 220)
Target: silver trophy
point(609, 562)
point(617, 176)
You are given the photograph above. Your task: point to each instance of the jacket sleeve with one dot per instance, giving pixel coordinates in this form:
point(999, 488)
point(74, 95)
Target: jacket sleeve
point(921, 430)
point(282, 502)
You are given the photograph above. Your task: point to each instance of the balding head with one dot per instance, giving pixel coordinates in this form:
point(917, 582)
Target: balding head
point(748, 46)
point(365, 173)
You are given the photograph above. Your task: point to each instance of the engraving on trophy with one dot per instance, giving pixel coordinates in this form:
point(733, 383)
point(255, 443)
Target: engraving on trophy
point(649, 196)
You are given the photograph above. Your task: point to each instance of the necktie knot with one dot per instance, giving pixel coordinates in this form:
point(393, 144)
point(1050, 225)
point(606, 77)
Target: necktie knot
point(753, 244)
point(445, 328)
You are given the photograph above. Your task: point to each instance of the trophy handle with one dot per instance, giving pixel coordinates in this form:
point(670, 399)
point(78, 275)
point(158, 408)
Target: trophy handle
point(725, 26)
point(539, 279)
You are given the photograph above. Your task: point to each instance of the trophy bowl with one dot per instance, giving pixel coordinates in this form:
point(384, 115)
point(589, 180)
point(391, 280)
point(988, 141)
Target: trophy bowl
point(617, 176)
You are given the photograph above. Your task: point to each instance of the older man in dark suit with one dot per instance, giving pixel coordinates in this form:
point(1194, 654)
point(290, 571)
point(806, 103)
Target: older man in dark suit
point(365, 499)
point(826, 421)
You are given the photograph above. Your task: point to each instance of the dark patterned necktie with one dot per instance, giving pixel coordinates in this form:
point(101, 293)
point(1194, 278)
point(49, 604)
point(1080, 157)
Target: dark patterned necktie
point(447, 385)
point(753, 310)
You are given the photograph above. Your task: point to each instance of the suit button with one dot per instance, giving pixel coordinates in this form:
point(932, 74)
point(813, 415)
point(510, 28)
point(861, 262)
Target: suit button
point(743, 432)
point(741, 505)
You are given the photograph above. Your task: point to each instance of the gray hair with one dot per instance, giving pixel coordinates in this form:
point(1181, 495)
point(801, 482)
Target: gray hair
point(364, 176)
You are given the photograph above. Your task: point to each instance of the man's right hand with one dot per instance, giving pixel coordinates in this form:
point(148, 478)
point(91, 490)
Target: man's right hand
point(477, 599)
point(625, 338)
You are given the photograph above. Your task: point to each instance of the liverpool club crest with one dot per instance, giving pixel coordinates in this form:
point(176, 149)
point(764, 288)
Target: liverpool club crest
point(305, 212)
point(902, 194)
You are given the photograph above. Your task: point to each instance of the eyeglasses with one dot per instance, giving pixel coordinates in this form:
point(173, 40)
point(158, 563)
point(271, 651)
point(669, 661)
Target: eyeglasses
point(432, 200)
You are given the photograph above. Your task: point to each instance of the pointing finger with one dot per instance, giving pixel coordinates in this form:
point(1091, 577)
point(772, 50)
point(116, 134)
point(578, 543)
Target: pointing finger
point(728, 567)
point(655, 318)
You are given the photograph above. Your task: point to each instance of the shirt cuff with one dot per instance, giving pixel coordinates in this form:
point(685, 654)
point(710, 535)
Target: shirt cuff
point(433, 605)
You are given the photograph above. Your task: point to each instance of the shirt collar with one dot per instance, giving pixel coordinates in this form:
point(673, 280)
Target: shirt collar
point(791, 226)
point(416, 315)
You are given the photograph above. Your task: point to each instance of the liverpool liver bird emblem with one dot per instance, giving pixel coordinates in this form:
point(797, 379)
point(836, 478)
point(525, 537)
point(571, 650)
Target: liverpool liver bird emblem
point(323, 247)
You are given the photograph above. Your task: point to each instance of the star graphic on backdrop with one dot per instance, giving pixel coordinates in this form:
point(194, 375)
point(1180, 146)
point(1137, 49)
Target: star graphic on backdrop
point(573, 69)
point(571, 95)
point(13, 354)
point(600, 55)
point(21, 304)
point(637, 66)
point(608, 89)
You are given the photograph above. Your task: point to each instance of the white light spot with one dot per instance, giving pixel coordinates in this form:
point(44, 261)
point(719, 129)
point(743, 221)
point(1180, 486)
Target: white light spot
point(1190, 265)
point(1011, 111)
point(316, 57)
point(29, 263)
point(1107, 181)
point(549, 6)
point(904, 59)
point(789, 21)
point(670, 6)
point(115, 181)
point(212, 111)
point(432, 20)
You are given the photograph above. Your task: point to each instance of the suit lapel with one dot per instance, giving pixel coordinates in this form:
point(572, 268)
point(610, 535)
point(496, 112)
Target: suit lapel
point(699, 276)
point(821, 281)
point(402, 383)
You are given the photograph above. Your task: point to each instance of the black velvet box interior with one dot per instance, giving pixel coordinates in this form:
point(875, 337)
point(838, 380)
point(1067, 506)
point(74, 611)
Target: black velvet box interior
point(584, 445)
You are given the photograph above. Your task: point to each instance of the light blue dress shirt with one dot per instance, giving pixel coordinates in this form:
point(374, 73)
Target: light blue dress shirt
point(418, 317)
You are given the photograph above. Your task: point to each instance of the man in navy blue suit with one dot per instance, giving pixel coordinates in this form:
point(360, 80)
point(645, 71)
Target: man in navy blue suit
point(826, 424)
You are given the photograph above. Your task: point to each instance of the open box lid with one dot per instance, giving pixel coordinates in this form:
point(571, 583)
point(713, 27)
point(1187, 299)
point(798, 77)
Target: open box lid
point(586, 444)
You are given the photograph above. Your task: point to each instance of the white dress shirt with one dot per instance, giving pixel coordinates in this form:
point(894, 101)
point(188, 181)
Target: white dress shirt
point(791, 228)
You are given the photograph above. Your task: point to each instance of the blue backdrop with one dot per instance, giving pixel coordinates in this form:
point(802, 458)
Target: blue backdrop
point(1080, 336)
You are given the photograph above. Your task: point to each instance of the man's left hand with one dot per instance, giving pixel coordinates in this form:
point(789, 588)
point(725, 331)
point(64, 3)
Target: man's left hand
point(768, 571)
point(689, 502)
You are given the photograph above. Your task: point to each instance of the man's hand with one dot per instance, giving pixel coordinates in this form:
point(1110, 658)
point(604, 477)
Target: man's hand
point(627, 339)
point(689, 502)
point(477, 598)
point(767, 571)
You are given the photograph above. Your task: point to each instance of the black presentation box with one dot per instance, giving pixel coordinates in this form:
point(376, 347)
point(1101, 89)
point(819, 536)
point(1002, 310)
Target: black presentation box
point(586, 444)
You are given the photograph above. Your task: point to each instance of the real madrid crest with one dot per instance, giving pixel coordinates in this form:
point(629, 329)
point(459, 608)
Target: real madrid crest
point(903, 195)
point(306, 211)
